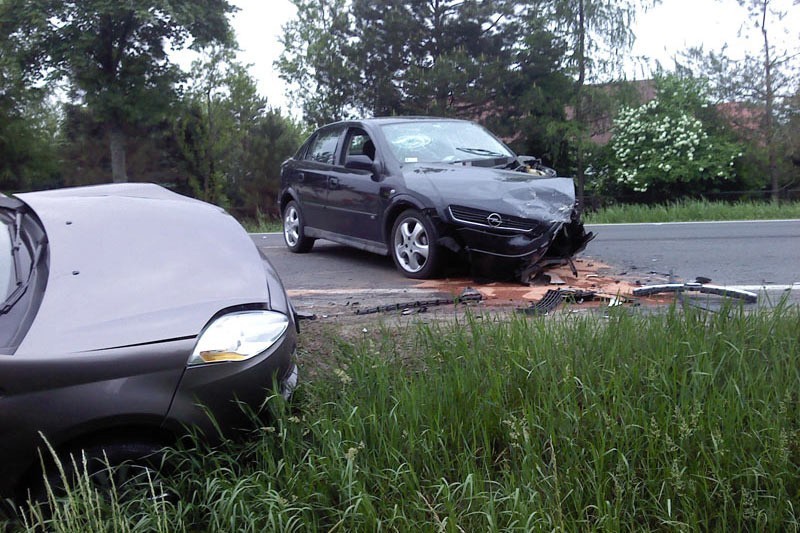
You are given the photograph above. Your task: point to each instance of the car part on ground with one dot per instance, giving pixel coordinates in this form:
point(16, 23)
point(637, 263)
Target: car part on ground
point(416, 187)
point(468, 295)
point(135, 313)
point(728, 292)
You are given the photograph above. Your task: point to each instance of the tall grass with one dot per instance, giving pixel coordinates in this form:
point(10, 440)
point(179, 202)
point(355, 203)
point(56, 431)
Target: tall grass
point(694, 210)
point(685, 420)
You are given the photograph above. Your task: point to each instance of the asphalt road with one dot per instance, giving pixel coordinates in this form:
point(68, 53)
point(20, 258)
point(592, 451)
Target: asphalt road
point(730, 253)
point(744, 254)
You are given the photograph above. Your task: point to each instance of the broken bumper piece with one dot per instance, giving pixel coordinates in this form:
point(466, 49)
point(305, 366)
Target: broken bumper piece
point(649, 290)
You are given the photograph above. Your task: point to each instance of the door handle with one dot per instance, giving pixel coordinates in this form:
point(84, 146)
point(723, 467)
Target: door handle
point(301, 176)
point(333, 183)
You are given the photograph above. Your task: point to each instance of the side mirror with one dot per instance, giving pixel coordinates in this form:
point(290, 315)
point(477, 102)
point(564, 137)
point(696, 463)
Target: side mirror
point(359, 162)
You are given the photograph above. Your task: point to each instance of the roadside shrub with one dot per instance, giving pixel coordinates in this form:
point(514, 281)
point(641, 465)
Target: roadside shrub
point(669, 147)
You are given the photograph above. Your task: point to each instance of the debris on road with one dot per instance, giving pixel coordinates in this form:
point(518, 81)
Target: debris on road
point(649, 290)
point(468, 295)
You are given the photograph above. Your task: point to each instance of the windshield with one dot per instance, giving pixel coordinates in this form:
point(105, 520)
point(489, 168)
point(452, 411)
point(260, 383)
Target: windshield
point(446, 141)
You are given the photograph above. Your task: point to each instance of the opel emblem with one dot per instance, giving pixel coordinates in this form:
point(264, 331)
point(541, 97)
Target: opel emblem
point(494, 219)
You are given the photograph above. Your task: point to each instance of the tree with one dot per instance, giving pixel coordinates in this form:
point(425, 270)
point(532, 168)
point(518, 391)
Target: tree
point(315, 61)
point(768, 80)
point(597, 33)
point(232, 142)
point(28, 128)
point(114, 54)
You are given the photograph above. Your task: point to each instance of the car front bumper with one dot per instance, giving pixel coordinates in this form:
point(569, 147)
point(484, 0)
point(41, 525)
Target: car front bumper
point(518, 255)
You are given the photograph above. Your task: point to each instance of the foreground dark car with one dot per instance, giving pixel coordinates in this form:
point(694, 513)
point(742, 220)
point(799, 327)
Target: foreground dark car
point(130, 313)
point(416, 187)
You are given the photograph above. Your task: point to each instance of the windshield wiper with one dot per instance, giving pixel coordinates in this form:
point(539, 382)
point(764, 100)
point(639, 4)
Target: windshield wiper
point(480, 151)
point(22, 281)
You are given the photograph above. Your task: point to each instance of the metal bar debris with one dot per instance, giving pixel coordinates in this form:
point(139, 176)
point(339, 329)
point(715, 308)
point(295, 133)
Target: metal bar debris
point(649, 290)
point(468, 295)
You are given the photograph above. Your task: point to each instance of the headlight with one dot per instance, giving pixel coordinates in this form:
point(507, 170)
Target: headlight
point(238, 336)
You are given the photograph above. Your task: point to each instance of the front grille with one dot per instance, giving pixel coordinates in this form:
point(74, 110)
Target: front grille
point(480, 217)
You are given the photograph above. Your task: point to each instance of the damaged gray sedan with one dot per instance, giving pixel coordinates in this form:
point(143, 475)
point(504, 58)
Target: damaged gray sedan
point(420, 188)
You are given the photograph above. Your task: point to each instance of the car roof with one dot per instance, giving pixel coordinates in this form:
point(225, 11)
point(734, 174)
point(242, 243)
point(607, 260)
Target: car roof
point(377, 121)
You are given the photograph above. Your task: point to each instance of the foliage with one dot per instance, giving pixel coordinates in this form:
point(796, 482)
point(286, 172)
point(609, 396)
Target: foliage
point(597, 33)
point(113, 54)
point(663, 147)
point(28, 123)
point(315, 60)
point(684, 420)
point(231, 142)
point(768, 80)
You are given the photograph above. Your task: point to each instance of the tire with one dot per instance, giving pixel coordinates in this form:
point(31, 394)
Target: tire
point(294, 234)
point(413, 245)
point(132, 469)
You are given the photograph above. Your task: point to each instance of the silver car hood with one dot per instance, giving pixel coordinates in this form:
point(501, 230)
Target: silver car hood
point(134, 264)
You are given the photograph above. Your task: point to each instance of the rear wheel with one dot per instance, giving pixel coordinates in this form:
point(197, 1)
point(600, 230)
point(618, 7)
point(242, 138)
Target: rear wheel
point(294, 233)
point(413, 245)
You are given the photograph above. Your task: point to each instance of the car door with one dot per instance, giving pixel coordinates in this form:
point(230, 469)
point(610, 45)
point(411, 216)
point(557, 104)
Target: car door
point(311, 175)
point(354, 201)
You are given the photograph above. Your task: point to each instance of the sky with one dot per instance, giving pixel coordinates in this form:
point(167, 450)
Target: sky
point(661, 33)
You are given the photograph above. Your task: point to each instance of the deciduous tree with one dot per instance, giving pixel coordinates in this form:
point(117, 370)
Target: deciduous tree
point(115, 55)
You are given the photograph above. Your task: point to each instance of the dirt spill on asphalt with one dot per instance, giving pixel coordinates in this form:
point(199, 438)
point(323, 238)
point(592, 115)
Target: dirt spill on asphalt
point(592, 276)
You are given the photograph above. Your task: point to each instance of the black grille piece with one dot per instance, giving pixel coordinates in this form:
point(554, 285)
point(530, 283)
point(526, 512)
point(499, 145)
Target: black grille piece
point(480, 217)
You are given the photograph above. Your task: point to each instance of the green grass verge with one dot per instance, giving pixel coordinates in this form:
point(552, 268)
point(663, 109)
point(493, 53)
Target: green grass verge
point(694, 210)
point(682, 421)
point(262, 225)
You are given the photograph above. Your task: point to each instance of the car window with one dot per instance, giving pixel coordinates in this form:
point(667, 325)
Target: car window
point(359, 143)
point(323, 147)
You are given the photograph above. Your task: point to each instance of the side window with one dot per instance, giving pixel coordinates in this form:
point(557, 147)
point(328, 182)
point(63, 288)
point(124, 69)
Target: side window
point(359, 147)
point(323, 147)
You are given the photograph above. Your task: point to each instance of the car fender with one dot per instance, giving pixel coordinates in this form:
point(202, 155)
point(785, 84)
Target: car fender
point(400, 203)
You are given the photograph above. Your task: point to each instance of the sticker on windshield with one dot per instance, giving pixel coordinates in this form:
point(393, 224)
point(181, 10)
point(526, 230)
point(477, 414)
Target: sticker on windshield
point(412, 159)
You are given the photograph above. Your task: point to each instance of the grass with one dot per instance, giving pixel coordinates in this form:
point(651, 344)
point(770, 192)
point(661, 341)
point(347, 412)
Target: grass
point(262, 225)
point(687, 420)
point(694, 210)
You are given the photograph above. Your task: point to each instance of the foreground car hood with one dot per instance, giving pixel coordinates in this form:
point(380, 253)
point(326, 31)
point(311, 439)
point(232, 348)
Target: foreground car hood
point(505, 192)
point(134, 264)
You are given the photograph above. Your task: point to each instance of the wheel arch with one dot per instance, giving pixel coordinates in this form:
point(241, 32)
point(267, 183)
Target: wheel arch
point(288, 196)
point(140, 432)
point(398, 206)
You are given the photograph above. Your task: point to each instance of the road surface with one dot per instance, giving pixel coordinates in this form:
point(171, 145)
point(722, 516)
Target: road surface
point(748, 254)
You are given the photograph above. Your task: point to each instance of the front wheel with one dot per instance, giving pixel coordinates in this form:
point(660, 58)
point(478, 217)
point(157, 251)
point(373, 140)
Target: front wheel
point(294, 232)
point(130, 470)
point(413, 245)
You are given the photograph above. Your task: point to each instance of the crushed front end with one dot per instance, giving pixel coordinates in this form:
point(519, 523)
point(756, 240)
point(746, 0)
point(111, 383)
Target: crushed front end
point(504, 247)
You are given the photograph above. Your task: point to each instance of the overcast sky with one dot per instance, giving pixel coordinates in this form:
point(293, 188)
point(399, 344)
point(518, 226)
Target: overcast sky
point(661, 33)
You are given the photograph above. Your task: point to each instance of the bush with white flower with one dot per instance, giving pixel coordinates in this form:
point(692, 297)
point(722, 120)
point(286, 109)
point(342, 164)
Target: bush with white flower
point(662, 145)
